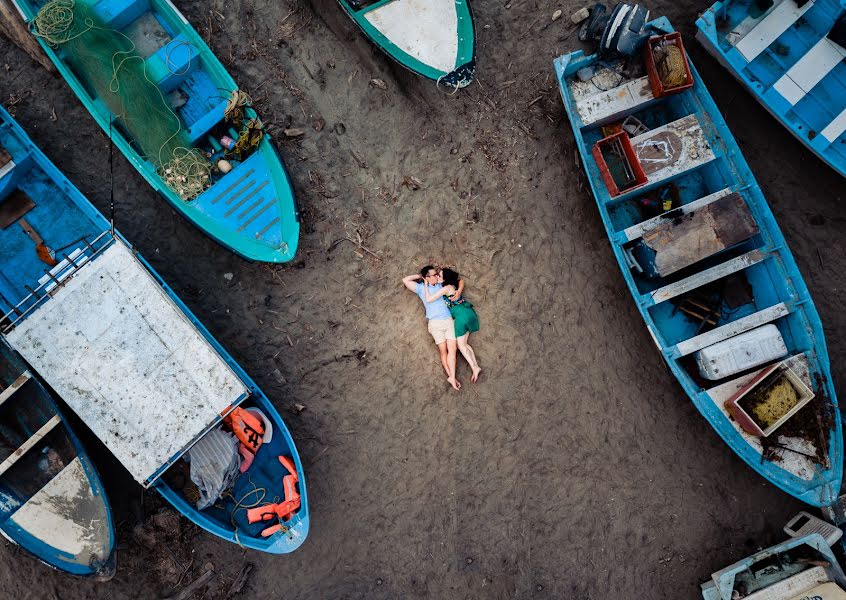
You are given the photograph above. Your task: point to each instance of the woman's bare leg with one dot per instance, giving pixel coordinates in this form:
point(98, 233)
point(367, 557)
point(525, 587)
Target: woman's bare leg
point(469, 354)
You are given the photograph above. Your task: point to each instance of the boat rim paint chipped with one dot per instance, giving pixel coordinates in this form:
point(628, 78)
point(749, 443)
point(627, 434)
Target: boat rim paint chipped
point(716, 180)
point(266, 231)
point(433, 38)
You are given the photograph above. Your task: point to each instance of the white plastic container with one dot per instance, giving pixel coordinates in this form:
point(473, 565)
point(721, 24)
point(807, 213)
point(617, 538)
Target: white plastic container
point(805, 524)
point(741, 352)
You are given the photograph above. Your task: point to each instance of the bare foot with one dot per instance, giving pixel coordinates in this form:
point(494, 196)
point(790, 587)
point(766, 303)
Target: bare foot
point(475, 376)
point(454, 383)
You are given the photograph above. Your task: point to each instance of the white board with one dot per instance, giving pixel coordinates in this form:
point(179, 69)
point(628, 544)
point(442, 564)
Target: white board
point(424, 29)
point(128, 361)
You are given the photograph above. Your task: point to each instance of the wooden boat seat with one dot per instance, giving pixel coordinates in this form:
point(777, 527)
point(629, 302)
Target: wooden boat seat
point(776, 21)
point(681, 242)
point(204, 124)
point(168, 67)
point(724, 332)
point(672, 149)
point(697, 280)
point(117, 14)
point(809, 70)
point(832, 131)
point(30, 443)
point(15, 386)
point(637, 231)
point(605, 106)
point(13, 207)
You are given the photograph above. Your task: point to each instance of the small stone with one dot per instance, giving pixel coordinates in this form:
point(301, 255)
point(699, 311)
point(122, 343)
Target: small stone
point(580, 15)
point(556, 15)
point(378, 83)
point(379, 581)
point(294, 132)
point(538, 588)
point(468, 560)
point(298, 408)
point(228, 276)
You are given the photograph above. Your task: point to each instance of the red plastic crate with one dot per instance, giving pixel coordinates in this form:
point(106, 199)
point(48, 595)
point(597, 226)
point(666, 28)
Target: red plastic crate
point(631, 157)
point(658, 89)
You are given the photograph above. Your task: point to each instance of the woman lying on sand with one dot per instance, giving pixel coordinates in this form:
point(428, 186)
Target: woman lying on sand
point(462, 312)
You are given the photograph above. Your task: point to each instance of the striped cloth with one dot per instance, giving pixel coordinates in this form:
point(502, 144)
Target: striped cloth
point(214, 465)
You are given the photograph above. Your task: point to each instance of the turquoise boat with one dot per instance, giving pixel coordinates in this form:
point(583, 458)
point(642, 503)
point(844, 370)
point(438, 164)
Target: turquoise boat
point(433, 38)
point(790, 55)
point(117, 345)
point(704, 259)
point(177, 116)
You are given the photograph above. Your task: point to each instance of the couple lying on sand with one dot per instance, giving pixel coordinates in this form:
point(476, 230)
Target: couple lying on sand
point(451, 318)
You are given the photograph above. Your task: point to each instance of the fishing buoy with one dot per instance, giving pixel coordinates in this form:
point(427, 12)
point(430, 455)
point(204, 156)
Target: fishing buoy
point(224, 165)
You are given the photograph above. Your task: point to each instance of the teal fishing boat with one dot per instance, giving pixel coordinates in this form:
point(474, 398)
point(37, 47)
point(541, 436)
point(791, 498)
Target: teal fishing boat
point(433, 38)
point(169, 105)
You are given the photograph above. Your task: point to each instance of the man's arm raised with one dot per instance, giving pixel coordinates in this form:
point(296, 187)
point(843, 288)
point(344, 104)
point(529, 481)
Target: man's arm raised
point(410, 282)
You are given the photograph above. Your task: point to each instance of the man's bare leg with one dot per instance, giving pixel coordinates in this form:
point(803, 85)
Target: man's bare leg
point(450, 346)
point(442, 348)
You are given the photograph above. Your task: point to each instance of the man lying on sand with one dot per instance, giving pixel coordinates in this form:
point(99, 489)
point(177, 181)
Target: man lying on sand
point(441, 325)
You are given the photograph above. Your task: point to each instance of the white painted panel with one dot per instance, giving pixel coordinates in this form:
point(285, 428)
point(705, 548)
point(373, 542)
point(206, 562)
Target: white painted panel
point(809, 70)
point(778, 20)
point(672, 149)
point(424, 29)
point(608, 104)
point(128, 361)
point(67, 515)
point(836, 128)
point(644, 227)
point(716, 272)
point(724, 332)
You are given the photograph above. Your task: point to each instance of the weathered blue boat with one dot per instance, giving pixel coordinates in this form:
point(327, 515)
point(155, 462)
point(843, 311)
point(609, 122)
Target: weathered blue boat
point(127, 356)
point(163, 97)
point(790, 55)
point(52, 503)
point(799, 568)
point(705, 262)
point(433, 38)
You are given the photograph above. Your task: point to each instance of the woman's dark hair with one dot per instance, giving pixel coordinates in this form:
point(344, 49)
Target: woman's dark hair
point(450, 278)
point(425, 270)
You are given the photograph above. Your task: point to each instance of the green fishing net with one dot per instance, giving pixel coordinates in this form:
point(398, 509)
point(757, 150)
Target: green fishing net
point(107, 63)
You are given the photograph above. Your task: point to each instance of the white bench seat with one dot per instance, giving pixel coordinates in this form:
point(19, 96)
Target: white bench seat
point(809, 70)
point(779, 19)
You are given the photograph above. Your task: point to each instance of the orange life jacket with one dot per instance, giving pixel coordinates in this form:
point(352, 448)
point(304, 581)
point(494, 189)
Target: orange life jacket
point(248, 428)
point(284, 510)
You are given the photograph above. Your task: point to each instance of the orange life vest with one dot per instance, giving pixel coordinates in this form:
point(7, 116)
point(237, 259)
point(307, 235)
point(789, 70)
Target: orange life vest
point(248, 428)
point(284, 510)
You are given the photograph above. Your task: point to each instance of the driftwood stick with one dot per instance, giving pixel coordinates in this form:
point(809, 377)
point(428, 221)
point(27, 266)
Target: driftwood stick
point(240, 581)
point(14, 28)
point(193, 587)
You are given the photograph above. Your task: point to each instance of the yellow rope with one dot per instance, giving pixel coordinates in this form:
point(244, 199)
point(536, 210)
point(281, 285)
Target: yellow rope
point(238, 101)
point(249, 138)
point(188, 173)
point(670, 64)
point(55, 20)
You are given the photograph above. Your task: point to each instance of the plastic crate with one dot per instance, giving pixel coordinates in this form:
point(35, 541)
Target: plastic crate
point(629, 157)
point(658, 89)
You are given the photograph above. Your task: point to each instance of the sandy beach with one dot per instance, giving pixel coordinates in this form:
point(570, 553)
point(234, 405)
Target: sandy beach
point(576, 467)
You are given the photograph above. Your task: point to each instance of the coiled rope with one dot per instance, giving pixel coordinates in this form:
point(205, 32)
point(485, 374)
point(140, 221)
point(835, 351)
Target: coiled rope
point(188, 173)
point(238, 101)
point(670, 64)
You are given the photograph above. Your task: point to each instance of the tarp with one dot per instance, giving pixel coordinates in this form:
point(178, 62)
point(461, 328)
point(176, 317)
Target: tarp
point(128, 361)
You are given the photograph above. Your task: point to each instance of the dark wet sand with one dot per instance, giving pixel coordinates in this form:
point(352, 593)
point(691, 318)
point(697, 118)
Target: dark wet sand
point(576, 468)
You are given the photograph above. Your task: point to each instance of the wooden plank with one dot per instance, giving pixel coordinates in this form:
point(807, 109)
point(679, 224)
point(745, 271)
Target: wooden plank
point(809, 70)
point(636, 231)
point(13, 207)
point(732, 329)
point(16, 385)
point(776, 22)
point(691, 238)
point(28, 445)
point(610, 105)
point(707, 276)
point(672, 149)
point(13, 27)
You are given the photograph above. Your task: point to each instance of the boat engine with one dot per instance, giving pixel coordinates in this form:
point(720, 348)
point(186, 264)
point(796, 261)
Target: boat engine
point(619, 34)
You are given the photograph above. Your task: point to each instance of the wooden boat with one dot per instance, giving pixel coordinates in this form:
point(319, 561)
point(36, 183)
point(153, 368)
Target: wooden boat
point(704, 258)
point(433, 38)
point(250, 209)
point(124, 353)
point(784, 52)
point(52, 503)
point(797, 569)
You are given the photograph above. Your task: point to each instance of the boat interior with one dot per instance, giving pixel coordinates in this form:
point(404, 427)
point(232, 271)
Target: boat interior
point(793, 53)
point(696, 234)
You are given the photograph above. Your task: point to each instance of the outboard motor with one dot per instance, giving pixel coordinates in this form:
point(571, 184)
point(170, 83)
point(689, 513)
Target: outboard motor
point(620, 33)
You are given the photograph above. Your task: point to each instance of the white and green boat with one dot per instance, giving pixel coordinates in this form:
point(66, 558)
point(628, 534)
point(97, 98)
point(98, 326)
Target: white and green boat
point(433, 38)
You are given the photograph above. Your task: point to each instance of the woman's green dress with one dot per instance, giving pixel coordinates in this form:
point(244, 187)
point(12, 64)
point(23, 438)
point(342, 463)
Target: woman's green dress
point(464, 316)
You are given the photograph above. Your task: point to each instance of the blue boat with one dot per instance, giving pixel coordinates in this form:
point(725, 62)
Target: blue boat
point(106, 333)
point(790, 55)
point(170, 106)
point(707, 266)
point(803, 568)
point(52, 503)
